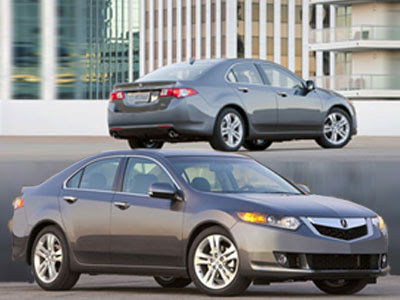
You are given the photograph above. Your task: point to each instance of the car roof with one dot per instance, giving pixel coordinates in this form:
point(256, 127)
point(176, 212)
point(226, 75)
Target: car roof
point(170, 153)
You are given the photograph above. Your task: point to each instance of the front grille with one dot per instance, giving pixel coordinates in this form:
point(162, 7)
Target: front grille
point(342, 234)
point(342, 261)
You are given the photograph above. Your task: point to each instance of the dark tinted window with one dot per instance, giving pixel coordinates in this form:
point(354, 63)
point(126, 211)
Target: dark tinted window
point(100, 175)
point(141, 173)
point(181, 71)
point(244, 73)
point(278, 77)
point(73, 183)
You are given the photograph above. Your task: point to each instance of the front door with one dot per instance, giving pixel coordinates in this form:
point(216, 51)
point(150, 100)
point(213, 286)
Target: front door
point(145, 231)
point(299, 110)
point(85, 204)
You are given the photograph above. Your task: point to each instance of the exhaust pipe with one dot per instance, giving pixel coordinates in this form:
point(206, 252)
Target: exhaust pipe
point(173, 134)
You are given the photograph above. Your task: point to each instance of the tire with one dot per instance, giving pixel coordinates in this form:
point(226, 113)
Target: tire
point(257, 144)
point(211, 269)
point(172, 282)
point(337, 124)
point(65, 278)
point(341, 287)
point(147, 144)
point(230, 121)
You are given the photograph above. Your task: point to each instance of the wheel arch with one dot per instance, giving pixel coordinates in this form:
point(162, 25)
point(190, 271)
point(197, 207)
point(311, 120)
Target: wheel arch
point(342, 107)
point(242, 113)
point(197, 230)
point(34, 233)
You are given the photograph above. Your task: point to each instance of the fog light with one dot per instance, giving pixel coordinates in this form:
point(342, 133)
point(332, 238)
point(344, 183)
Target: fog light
point(383, 261)
point(282, 260)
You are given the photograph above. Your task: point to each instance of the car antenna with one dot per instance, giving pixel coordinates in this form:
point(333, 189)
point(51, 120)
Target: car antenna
point(191, 60)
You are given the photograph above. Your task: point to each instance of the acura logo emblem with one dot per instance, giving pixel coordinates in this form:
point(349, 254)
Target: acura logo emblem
point(343, 222)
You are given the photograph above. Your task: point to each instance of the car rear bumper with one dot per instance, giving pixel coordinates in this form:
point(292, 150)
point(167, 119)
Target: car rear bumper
point(19, 248)
point(185, 117)
point(260, 250)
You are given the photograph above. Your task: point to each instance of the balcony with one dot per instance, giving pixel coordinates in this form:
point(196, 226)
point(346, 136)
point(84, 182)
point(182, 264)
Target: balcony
point(355, 38)
point(364, 86)
point(344, 2)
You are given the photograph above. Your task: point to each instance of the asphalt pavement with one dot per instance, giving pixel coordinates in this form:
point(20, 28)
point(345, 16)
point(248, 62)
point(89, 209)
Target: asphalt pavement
point(132, 287)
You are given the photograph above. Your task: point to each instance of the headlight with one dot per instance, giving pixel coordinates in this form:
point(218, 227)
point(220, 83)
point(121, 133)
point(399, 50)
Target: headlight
point(285, 222)
point(379, 223)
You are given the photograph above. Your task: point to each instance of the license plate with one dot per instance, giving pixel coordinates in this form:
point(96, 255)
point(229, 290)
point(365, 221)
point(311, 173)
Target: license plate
point(137, 98)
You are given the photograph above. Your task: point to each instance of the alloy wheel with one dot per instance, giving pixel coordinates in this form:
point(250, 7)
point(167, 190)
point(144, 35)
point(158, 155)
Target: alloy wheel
point(336, 128)
point(48, 258)
point(232, 130)
point(216, 261)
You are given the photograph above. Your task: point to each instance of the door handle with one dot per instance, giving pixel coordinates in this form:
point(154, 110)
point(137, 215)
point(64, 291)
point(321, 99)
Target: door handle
point(70, 199)
point(282, 94)
point(121, 205)
point(243, 89)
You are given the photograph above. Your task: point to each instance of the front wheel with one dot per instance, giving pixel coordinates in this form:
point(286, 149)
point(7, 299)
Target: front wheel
point(214, 264)
point(336, 130)
point(341, 286)
point(172, 282)
point(50, 261)
point(229, 131)
point(257, 144)
point(147, 144)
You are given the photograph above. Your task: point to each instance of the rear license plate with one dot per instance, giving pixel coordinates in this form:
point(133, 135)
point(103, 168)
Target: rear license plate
point(137, 98)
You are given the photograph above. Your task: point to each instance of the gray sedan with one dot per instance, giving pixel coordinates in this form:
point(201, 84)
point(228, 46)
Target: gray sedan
point(222, 221)
point(230, 103)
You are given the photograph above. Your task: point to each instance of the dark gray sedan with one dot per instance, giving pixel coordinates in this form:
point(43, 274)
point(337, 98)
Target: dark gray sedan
point(230, 103)
point(221, 221)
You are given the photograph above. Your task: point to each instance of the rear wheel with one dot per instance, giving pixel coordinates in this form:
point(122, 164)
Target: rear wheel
point(50, 261)
point(337, 129)
point(147, 144)
point(214, 264)
point(341, 286)
point(172, 282)
point(229, 131)
point(257, 144)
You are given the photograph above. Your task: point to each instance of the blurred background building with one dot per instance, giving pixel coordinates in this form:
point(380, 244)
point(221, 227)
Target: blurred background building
point(78, 49)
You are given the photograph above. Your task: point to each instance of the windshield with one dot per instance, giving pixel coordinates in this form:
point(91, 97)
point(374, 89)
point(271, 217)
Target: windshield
point(181, 71)
point(230, 175)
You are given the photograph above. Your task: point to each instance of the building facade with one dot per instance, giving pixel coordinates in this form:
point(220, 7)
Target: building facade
point(357, 46)
point(78, 49)
point(176, 30)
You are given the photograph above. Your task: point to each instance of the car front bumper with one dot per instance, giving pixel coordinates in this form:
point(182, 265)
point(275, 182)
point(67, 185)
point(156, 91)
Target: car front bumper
point(260, 245)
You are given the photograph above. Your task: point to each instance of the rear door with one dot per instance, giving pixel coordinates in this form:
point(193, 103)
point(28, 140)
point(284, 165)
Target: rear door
point(85, 204)
point(299, 110)
point(145, 231)
point(258, 99)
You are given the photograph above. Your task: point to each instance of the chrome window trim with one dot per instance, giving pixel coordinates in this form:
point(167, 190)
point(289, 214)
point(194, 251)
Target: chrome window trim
point(64, 187)
point(368, 223)
point(238, 83)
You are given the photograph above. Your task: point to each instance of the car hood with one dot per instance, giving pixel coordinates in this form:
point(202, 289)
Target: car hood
point(303, 205)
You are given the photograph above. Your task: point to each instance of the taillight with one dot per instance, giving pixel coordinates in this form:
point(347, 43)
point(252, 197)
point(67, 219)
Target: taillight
point(177, 92)
point(117, 96)
point(18, 203)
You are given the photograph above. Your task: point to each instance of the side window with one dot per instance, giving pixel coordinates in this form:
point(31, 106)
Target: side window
point(279, 78)
point(98, 175)
point(141, 173)
point(75, 180)
point(245, 73)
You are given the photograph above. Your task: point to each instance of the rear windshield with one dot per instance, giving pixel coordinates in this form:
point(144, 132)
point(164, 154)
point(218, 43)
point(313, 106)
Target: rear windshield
point(181, 71)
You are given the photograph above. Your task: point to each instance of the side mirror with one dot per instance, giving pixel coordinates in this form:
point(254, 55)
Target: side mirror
point(310, 85)
point(305, 188)
point(165, 191)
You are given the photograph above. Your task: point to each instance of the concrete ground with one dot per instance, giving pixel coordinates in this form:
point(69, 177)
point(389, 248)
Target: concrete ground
point(132, 287)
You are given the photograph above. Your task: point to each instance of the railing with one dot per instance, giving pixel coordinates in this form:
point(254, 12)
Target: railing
point(355, 33)
point(359, 82)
